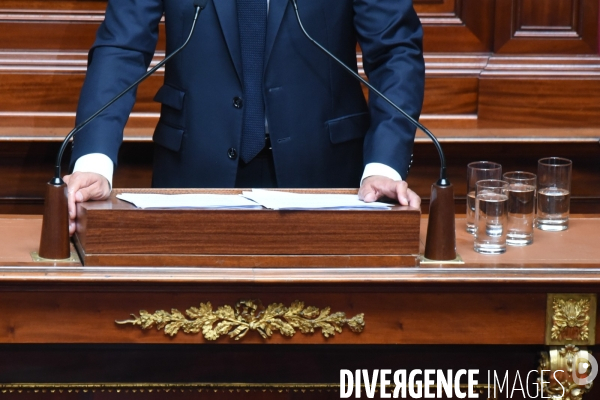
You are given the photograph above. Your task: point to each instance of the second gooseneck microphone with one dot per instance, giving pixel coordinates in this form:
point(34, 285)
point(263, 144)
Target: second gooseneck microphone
point(443, 179)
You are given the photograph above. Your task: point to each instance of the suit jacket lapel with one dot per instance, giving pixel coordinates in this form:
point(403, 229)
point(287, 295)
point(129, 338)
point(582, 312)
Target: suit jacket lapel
point(276, 10)
point(227, 12)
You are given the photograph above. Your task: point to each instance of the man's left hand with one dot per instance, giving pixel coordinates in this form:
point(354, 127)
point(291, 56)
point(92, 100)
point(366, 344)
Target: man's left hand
point(376, 187)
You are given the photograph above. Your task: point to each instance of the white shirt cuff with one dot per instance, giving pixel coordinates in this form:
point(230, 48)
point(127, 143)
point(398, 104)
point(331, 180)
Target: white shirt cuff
point(380, 169)
point(98, 163)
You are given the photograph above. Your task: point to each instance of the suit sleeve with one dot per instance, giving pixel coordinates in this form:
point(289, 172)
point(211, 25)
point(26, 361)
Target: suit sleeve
point(390, 35)
point(124, 46)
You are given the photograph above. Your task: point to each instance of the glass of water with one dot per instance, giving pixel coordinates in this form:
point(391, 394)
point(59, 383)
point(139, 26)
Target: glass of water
point(554, 192)
point(477, 171)
point(521, 207)
point(491, 216)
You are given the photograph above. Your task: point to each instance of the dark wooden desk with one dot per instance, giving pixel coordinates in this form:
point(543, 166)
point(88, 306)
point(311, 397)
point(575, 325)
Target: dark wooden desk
point(57, 322)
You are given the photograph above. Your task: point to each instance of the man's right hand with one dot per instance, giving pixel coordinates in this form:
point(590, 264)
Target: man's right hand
point(84, 186)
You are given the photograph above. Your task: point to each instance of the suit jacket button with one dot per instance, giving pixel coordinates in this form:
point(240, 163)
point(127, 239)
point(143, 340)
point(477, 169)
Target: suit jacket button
point(238, 102)
point(232, 153)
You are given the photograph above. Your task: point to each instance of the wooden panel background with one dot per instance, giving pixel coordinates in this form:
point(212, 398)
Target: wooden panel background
point(548, 26)
point(504, 78)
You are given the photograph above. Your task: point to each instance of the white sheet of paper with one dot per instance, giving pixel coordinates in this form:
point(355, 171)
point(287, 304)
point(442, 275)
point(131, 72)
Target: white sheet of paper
point(276, 200)
point(144, 200)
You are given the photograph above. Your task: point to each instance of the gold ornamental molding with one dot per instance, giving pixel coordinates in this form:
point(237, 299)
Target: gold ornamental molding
point(571, 319)
point(245, 316)
point(148, 387)
point(241, 388)
point(564, 371)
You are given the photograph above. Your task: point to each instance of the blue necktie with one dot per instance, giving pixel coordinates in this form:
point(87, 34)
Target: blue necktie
point(252, 20)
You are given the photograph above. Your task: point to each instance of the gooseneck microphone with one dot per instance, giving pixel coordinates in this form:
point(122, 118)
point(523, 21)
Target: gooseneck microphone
point(200, 5)
point(378, 93)
point(441, 234)
point(54, 242)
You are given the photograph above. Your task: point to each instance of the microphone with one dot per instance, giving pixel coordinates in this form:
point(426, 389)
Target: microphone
point(54, 242)
point(441, 234)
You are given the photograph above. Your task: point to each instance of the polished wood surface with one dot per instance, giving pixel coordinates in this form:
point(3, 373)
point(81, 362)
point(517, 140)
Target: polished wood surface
point(548, 26)
point(457, 26)
point(574, 248)
point(19, 238)
point(118, 230)
point(569, 257)
point(391, 318)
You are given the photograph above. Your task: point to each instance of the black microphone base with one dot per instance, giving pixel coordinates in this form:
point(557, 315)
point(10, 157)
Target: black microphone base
point(441, 231)
point(55, 243)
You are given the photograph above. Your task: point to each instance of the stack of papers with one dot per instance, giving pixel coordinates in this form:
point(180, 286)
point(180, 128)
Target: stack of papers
point(257, 198)
point(307, 201)
point(143, 200)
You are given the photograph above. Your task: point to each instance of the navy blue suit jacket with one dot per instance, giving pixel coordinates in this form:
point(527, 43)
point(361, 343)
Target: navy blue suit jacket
point(322, 131)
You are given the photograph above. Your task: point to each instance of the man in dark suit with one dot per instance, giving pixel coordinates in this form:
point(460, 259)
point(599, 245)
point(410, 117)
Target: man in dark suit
point(320, 129)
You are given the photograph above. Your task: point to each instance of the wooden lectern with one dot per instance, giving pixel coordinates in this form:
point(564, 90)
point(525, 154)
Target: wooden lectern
point(114, 232)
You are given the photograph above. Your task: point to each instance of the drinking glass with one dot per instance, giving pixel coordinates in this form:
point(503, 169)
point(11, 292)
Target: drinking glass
point(491, 216)
point(477, 171)
point(554, 192)
point(521, 207)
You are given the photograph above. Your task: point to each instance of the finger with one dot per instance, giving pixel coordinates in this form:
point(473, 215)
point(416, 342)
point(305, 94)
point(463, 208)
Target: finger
point(72, 187)
point(378, 187)
point(402, 193)
point(92, 192)
point(371, 197)
point(71, 204)
point(383, 187)
point(362, 192)
point(393, 189)
point(367, 193)
point(82, 187)
point(413, 199)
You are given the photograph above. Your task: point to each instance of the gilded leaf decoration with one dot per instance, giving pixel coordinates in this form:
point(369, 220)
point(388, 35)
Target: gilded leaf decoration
point(572, 318)
point(248, 315)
